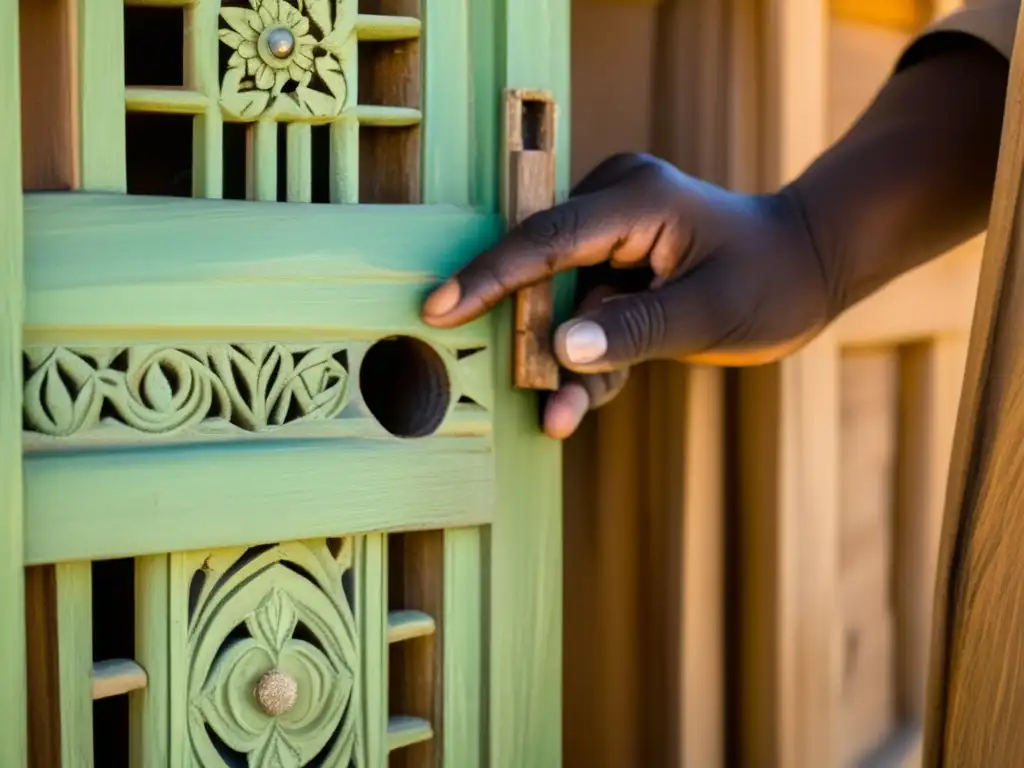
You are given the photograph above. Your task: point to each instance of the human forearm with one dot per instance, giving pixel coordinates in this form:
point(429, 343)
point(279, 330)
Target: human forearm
point(914, 175)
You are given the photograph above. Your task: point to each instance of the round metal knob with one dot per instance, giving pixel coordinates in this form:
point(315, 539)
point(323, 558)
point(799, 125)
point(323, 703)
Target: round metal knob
point(276, 692)
point(281, 42)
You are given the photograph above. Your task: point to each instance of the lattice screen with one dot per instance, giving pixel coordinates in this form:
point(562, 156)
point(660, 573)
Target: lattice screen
point(291, 66)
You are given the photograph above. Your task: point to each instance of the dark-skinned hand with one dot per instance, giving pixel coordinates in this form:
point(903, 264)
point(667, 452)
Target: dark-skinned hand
point(671, 268)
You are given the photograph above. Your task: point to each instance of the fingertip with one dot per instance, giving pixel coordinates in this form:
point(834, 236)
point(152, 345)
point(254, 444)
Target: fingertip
point(442, 301)
point(565, 410)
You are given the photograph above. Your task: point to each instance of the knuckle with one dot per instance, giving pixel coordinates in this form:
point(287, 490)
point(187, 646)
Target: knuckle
point(641, 325)
point(552, 231)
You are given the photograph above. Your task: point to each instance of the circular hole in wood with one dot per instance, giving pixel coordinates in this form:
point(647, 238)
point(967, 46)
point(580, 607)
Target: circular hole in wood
point(405, 385)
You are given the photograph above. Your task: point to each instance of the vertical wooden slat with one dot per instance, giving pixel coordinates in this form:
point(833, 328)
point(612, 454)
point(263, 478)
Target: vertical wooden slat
point(177, 658)
point(344, 179)
point(659, 511)
point(150, 713)
point(702, 667)
point(202, 74)
point(867, 466)
point(462, 667)
point(789, 663)
point(446, 104)
point(74, 645)
point(261, 154)
point(975, 688)
point(789, 668)
point(50, 152)
point(525, 641)
point(931, 377)
point(101, 94)
point(12, 578)
point(372, 613)
point(300, 163)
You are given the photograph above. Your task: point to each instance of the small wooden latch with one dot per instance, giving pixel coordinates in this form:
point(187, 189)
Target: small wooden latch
point(530, 124)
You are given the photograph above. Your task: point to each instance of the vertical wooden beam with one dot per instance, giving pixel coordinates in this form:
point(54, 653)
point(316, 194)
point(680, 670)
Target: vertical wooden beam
point(462, 721)
point(50, 161)
point(702, 641)
point(150, 707)
point(868, 398)
point(976, 690)
point(74, 644)
point(930, 380)
point(789, 664)
point(101, 95)
point(525, 638)
point(372, 618)
point(13, 750)
point(788, 428)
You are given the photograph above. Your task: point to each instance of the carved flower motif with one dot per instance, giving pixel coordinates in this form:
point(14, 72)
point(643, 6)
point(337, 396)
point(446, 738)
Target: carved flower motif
point(62, 393)
point(323, 690)
point(280, 609)
point(307, 81)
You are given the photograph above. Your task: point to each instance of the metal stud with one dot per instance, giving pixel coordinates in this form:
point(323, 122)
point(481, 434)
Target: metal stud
point(281, 42)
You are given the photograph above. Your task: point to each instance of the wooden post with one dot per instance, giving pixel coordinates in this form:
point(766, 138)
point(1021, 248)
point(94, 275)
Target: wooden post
point(976, 683)
point(13, 736)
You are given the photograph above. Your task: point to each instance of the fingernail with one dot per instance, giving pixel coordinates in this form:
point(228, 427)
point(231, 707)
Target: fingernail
point(585, 342)
point(443, 300)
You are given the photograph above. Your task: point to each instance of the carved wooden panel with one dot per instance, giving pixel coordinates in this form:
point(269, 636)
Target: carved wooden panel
point(222, 391)
point(272, 655)
point(274, 83)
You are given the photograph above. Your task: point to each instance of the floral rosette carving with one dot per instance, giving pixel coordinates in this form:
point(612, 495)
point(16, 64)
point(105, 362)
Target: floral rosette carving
point(256, 615)
point(161, 390)
point(289, 58)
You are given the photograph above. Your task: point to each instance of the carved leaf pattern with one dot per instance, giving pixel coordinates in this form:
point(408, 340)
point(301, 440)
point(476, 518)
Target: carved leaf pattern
point(254, 387)
point(311, 81)
point(270, 595)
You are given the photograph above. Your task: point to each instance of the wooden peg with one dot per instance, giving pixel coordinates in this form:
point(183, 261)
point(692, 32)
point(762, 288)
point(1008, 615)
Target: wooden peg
point(530, 123)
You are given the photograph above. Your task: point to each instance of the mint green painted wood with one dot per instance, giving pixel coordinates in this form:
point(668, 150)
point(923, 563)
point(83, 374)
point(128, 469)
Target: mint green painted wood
point(263, 156)
point(149, 708)
point(177, 654)
point(101, 267)
point(344, 140)
point(300, 163)
point(404, 731)
point(273, 654)
point(13, 731)
point(100, 505)
point(464, 677)
point(202, 76)
point(525, 640)
point(101, 94)
point(487, 46)
point(74, 653)
point(372, 617)
point(447, 103)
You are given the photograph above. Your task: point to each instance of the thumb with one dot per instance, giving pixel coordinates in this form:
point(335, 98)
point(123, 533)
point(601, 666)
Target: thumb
point(679, 320)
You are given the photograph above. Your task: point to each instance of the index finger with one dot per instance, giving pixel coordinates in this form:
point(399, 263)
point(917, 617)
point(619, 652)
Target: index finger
point(580, 232)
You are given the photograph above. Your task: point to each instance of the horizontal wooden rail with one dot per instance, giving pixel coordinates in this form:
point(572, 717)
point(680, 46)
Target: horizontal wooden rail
point(406, 625)
point(404, 731)
point(115, 677)
point(371, 28)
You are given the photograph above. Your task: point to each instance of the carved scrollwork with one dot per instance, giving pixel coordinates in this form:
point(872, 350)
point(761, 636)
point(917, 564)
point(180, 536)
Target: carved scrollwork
point(159, 390)
point(289, 57)
point(269, 616)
